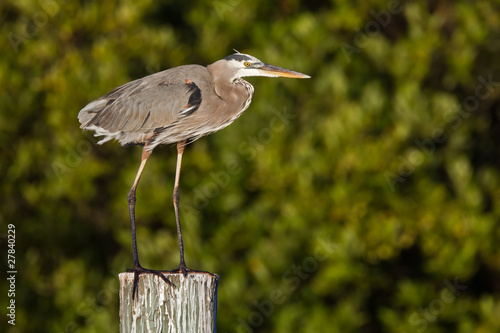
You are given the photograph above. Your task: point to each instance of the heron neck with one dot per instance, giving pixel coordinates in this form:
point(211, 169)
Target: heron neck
point(237, 93)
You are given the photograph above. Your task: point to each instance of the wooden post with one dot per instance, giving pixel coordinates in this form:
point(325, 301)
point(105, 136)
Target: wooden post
point(191, 306)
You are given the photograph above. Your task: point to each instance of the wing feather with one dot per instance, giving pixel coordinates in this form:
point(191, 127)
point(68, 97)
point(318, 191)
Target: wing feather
point(133, 111)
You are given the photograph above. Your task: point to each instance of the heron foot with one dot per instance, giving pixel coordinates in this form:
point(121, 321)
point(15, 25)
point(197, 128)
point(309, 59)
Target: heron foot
point(138, 270)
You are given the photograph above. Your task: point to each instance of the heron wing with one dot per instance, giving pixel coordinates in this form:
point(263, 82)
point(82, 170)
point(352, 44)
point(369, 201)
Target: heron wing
point(133, 111)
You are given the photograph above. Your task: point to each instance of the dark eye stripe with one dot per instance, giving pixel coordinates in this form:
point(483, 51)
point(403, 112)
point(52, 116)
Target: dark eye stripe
point(238, 57)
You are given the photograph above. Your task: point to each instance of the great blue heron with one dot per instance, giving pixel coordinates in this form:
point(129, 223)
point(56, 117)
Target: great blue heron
point(178, 105)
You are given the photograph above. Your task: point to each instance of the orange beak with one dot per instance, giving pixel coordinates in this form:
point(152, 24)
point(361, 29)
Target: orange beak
point(270, 70)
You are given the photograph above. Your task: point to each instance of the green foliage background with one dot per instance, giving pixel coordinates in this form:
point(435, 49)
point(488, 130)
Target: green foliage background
point(344, 203)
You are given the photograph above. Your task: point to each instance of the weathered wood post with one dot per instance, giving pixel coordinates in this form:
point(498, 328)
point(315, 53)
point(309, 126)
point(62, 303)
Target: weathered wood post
point(190, 306)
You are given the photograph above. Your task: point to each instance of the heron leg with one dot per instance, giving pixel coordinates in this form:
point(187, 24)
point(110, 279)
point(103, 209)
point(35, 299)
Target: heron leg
point(182, 264)
point(138, 269)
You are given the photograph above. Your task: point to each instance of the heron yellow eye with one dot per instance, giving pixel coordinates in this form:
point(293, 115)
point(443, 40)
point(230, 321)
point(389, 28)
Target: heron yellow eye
point(247, 64)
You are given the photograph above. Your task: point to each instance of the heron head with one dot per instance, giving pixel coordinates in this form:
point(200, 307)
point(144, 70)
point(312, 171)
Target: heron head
point(242, 65)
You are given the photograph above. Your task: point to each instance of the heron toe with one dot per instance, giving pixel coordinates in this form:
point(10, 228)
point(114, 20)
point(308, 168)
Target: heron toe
point(138, 270)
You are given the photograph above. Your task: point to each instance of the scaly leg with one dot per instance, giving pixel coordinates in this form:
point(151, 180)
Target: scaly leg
point(138, 269)
point(182, 264)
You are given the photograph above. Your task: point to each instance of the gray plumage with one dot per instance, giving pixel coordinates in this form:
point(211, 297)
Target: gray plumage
point(183, 103)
